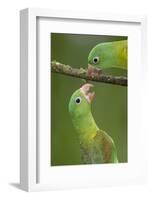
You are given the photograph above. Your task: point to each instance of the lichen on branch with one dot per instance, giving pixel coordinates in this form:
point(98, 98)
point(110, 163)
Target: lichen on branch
point(82, 73)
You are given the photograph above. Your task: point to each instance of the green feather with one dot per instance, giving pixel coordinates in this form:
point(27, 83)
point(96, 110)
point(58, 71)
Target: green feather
point(109, 54)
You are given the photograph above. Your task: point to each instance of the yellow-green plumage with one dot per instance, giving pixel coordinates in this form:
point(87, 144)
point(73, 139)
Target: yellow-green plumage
point(109, 54)
point(96, 146)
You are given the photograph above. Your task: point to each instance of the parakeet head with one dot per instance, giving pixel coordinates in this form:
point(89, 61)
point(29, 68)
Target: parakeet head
point(108, 55)
point(80, 101)
point(99, 57)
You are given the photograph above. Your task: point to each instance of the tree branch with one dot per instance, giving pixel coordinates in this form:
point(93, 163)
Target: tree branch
point(60, 68)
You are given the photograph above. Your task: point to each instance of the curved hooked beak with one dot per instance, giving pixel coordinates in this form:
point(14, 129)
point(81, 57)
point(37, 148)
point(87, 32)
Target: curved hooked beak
point(94, 71)
point(86, 90)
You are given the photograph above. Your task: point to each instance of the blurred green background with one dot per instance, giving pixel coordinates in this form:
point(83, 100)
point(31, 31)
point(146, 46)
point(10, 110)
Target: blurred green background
point(109, 107)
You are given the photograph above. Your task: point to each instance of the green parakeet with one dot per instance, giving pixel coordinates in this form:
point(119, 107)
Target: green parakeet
point(96, 146)
point(108, 55)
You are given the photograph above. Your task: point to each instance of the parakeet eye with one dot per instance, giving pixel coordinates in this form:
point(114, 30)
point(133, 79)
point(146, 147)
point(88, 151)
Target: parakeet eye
point(78, 100)
point(96, 60)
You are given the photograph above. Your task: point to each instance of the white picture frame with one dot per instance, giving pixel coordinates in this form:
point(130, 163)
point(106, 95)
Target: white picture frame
point(30, 168)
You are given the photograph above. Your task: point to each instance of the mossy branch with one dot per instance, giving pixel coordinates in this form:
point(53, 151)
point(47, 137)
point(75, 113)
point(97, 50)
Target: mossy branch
point(82, 73)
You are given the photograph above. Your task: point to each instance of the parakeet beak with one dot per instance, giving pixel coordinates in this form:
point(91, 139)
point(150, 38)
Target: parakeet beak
point(93, 70)
point(86, 90)
point(90, 69)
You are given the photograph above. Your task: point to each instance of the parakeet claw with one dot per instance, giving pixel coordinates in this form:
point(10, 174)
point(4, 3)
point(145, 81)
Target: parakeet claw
point(85, 89)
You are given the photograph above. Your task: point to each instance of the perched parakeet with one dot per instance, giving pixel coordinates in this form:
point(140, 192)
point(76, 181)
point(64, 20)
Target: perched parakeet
point(96, 146)
point(108, 55)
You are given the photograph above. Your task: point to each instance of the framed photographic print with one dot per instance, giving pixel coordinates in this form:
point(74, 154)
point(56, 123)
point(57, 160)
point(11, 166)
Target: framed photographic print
point(82, 76)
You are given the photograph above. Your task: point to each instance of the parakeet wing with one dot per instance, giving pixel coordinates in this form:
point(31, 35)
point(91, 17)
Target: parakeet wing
point(100, 150)
point(107, 145)
point(103, 148)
